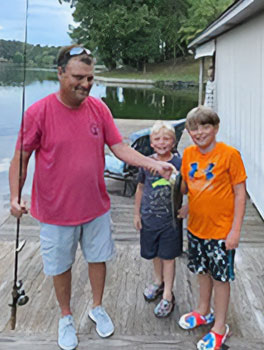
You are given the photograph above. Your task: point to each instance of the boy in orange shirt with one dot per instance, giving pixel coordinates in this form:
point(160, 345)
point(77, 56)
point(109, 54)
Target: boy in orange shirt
point(214, 178)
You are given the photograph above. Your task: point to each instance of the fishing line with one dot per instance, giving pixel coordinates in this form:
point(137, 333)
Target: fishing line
point(18, 294)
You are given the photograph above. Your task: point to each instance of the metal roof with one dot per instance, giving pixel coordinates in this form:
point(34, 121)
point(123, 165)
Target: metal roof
point(239, 12)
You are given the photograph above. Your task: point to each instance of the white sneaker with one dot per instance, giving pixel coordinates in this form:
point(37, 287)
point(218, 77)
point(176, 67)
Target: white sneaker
point(104, 324)
point(67, 339)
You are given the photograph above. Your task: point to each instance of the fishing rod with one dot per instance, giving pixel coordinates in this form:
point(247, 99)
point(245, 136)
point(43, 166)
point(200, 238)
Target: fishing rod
point(18, 294)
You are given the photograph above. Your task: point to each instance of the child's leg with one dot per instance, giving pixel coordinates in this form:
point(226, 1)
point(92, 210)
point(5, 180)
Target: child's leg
point(166, 305)
point(205, 292)
point(202, 314)
point(168, 278)
point(158, 273)
point(154, 289)
point(220, 264)
point(221, 301)
point(219, 332)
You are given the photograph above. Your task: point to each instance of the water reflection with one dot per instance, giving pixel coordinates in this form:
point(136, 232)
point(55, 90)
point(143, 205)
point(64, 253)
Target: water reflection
point(12, 75)
point(125, 102)
point(151, 103)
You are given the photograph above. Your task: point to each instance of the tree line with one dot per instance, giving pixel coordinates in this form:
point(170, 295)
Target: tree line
point(136, 32)
point(127, 32)
point(36, 55)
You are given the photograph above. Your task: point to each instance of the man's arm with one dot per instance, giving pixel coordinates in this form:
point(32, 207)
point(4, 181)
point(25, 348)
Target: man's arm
point(17, 209)
point(233, 237)
point(132, 157)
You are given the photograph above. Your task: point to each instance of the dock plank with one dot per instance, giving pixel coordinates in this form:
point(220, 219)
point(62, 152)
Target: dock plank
point(126, 279)
point(119, 343)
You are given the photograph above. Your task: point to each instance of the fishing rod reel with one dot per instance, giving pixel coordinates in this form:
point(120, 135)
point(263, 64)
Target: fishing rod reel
point(19, 294)
point(19, 298)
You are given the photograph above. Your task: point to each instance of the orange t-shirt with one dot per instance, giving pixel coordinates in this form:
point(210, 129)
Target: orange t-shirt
point(210, 179)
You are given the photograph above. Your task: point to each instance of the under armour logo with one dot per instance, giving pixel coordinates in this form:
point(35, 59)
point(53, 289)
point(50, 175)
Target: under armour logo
point(194, 168)
point(208, 171)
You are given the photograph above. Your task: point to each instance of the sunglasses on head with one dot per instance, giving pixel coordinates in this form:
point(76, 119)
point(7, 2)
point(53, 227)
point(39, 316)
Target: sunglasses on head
point(78, 50)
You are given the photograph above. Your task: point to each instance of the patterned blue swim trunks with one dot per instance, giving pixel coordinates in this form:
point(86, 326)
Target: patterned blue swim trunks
point(210, 256)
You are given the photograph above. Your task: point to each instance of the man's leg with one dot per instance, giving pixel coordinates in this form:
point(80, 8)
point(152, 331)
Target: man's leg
point(221, 302)
point(205, 292)
point(97, 273)
point(104, 324)
point(67, 338)
point(62, 286)
point(58, 255)
point(98, 247)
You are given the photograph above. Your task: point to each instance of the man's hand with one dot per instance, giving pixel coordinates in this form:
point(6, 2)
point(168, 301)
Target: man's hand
point(129, 155)
point(163, 168)
point(232, 240)
point(137, 222)
point(18, 210)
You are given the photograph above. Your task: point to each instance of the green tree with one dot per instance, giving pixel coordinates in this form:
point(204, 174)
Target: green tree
point(38, 60)
point(18, 58)
point(172, 13)
point(200, 14)
point(135, 32)
point(119, 30)
point(14, 51)
point(48, 60)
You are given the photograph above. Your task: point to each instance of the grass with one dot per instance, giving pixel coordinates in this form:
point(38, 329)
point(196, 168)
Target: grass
point(183, 70)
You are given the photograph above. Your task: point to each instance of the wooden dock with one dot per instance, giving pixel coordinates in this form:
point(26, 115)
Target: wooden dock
point(136, 326)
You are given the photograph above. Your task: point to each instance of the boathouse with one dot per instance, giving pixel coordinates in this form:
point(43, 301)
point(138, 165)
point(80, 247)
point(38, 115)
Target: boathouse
point(235, 40)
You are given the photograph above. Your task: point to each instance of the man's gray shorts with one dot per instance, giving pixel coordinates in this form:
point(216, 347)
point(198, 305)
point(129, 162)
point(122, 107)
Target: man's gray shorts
point(58, 244)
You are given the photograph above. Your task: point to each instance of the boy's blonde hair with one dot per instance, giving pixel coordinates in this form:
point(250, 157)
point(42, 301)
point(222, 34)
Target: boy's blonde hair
point(160, 124)
point(201, 115)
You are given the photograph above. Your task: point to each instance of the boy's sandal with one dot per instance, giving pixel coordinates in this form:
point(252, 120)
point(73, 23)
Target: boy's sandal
point(153, 291)
point(164, 307)
point(212, 340)
point(194, 319)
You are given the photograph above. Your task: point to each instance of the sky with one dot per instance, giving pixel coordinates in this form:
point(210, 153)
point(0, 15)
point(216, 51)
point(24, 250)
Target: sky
point(48, 21)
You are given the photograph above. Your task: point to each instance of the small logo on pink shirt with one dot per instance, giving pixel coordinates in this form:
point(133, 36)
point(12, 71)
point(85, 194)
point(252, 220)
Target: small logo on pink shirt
point(94, 129)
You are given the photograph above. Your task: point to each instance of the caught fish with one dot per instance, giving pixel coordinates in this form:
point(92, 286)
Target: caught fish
point(176, 195)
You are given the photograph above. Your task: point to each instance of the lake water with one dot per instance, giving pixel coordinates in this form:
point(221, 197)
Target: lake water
point(125, 102)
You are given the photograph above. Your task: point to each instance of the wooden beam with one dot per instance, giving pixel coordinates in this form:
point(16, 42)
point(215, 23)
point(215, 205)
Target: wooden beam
point(201, 74)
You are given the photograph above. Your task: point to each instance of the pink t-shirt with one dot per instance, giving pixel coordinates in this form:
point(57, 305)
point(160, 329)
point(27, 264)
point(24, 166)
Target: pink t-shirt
point(68, 186)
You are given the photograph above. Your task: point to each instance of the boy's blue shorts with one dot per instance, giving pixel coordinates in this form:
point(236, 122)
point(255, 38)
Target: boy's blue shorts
point(58, 244)
point(164, 243)
point(210, 256)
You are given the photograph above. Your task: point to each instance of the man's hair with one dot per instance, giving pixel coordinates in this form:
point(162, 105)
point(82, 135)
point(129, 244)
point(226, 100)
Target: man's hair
point(201, 115)
point(64, 56)
point(160, 124)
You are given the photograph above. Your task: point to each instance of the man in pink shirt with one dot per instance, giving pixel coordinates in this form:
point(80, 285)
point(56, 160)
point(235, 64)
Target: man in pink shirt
point(68, 131)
